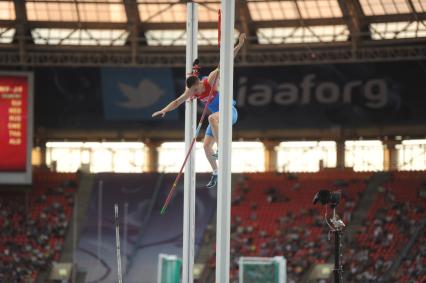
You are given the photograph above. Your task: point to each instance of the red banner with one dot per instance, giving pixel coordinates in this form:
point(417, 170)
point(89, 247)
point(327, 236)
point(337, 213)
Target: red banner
point(13, 123)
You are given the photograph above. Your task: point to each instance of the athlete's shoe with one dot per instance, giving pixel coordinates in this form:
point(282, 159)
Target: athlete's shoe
point(213, 181)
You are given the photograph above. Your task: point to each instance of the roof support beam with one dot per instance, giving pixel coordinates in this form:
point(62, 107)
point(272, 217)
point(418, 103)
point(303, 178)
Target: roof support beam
point(257, 56)
point(397, 18)
point(7, 24)
point(182, 26)
point(75, 25)
point(22, 30)
point(413, 9)
point(251, 25)
point(353, 16)
point(298, 23)
point(134, 21)
point(246, 22)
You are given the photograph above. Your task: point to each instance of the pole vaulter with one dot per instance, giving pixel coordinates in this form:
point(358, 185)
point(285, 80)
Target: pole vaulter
point(206, 91)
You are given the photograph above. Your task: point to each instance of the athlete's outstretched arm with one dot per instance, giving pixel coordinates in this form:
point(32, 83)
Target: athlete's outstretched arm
point(237, 48)
point(174, 104)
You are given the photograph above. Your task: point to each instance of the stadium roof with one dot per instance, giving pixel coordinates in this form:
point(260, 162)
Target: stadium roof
point(133, 32)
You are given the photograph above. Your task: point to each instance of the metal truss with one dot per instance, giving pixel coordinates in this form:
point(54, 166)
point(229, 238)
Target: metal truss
point(23, 52)
point(254, 57)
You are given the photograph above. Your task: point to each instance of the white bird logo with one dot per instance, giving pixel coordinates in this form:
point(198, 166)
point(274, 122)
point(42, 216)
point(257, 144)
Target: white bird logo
point(146, 94)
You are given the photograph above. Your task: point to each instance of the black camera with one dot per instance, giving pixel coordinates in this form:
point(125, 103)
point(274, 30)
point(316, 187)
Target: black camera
point(326, 197)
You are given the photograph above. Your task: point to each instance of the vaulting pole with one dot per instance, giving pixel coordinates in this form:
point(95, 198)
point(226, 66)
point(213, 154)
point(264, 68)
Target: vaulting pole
point(225, 141)
point(190, 124)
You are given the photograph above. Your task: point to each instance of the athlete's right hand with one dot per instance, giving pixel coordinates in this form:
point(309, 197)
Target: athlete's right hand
point(158, 113)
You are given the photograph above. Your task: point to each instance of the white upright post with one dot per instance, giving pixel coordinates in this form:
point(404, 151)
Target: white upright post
point(74, 239)
point(99, 241)
point(225, 142)
point(117, 244)
point(190, 124)
point(126, 226)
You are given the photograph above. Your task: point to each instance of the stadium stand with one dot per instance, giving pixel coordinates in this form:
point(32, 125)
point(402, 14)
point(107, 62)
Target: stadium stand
point(273, 214)
point(391, 222)
point(33, 226)
point(412, 268)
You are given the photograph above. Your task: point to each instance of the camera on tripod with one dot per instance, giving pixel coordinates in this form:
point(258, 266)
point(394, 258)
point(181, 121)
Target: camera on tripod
point(326, 197)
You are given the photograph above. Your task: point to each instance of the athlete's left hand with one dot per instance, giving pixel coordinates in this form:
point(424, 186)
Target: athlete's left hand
point(241, 39)
point(158, 113)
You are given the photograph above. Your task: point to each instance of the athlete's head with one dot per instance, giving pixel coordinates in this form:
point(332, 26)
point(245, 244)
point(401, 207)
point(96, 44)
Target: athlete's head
point(192, 81)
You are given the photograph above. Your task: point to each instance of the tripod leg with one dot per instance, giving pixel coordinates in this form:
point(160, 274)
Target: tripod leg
point(338, 272)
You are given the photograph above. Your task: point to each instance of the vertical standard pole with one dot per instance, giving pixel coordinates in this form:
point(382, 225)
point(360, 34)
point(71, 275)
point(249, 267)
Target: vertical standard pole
point(125, 220)
point(225, 142)
point(99, 242)
point(189, 177)
point(117, 244)
point(74, 239)
point(160, 268)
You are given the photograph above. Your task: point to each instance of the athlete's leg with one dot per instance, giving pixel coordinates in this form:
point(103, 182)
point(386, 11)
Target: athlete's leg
point(234, 115)
point(214, 124)
point(208, 150)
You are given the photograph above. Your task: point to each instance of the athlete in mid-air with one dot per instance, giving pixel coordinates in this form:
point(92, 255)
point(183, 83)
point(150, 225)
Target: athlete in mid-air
point(200, 89)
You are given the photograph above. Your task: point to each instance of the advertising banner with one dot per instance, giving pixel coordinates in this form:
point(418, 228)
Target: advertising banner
point(349, 95)
point(286, 97)
point(136, 93)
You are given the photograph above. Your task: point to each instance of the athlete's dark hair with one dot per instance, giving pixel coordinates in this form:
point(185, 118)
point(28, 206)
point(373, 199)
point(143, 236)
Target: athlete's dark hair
point(190, 81)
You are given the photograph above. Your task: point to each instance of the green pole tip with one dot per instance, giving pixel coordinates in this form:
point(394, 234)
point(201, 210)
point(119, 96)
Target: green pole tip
point(163, 210)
